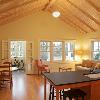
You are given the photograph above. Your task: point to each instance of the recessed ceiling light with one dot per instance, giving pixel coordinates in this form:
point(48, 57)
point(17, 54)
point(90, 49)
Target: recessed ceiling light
point(56, 14)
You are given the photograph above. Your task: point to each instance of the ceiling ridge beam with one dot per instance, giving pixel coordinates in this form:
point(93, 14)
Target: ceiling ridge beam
point(88, 15)
point(93, 5)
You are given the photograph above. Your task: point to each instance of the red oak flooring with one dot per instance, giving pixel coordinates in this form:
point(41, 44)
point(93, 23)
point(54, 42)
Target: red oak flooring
point(25, 87)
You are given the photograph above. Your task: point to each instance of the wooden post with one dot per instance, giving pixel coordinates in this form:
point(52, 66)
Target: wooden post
point(57, 94)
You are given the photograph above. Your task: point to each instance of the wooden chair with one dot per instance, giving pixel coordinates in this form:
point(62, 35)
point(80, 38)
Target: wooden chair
point(41, 67)
point(6, 73)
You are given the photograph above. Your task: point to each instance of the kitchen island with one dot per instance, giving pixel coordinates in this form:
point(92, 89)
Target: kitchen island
point(74, 79)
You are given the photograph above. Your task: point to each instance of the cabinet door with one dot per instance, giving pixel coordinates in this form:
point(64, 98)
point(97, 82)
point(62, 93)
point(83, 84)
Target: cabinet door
point(5, 49)
point(95, 90)
point(29, 58)
point(0, 51)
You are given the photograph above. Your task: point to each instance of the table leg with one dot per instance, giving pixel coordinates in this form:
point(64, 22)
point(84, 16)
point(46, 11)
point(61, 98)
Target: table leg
point(44, 88)
point(59, 69)
point(57, 94)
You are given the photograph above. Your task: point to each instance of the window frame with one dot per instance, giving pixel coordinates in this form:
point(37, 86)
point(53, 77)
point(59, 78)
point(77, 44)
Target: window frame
point(63, 50)
point(56, 51)
point(69, 51)
point(92, 49)
point(17, 54)
point(44, 50)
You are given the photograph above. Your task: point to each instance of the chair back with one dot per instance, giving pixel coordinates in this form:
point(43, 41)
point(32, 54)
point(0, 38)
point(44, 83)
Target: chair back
point(8, 62)
point(38, 63)
point(6, 72)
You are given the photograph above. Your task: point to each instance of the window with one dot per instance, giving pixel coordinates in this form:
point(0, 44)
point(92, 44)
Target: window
point(45, 50)
point(69, 50)
point(96, 50)
point(57, 51)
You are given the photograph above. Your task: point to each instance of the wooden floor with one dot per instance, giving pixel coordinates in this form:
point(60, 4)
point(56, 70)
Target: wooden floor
point(25, 87)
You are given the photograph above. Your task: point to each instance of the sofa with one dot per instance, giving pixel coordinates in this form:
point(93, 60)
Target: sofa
point(88, 65)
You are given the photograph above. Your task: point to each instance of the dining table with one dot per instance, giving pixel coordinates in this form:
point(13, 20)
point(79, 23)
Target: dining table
point(73, 79)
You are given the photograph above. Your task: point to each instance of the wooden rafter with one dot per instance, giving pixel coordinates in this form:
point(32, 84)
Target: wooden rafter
point(19, 11)
point(68, 10)
point(16, 6)
point(93, 5)
point(14, 10)
point(49, 4)
point(70, 15)
point(14, 17)
point(72, 25)
point(69, 22)
point(4, 1)
point(85, 13)
point(77, 25)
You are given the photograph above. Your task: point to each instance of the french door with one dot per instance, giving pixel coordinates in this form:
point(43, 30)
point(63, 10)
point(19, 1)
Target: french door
point(28, 56)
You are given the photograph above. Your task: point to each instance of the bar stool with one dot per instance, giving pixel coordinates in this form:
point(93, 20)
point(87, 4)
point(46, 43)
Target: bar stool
point(73, 94)
point(52, 92)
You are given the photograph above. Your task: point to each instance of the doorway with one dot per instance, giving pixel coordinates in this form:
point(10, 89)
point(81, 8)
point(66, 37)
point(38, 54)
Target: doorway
point(18, 54)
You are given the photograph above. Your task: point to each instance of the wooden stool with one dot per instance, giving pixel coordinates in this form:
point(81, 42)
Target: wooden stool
point(52, 91)
point(73, 93)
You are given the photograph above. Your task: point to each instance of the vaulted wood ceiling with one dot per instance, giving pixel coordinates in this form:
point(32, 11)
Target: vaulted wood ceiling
point(83, 15)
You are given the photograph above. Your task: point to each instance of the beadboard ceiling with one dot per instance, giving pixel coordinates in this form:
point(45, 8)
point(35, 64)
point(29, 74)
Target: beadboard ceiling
point(82, 15)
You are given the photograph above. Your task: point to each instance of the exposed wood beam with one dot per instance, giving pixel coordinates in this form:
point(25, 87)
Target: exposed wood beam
point(49, 4)
point(68, 22)
point(68, 10)
point(72, 25)
point(76, 24)
point(85, 23)
point(16, 13)
point(4, 1)
point(15, 17)
point(16, 6)
point(93, 5)
point(85, 13)
point(70, 16)
point(25, 6)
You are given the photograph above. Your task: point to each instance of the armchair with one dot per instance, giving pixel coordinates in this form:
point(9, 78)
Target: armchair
point(41, 67)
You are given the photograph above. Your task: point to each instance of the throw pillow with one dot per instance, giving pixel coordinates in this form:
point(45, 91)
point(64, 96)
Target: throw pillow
point(87, 63)
point(97, 65)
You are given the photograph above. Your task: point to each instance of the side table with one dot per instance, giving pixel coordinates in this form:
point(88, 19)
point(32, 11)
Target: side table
point(62, 69)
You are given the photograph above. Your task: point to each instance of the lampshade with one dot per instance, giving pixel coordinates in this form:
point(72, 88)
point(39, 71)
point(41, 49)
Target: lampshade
point(79, 52)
